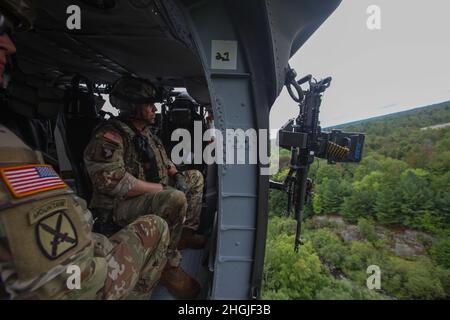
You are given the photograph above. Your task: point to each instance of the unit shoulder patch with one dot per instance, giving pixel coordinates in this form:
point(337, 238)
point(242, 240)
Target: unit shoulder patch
point(56, 235)
point(46, 209)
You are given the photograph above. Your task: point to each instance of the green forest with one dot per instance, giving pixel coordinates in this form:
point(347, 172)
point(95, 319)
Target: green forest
point(392, 210)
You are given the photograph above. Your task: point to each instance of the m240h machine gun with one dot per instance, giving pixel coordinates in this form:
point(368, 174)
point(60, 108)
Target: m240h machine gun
point(304, 137)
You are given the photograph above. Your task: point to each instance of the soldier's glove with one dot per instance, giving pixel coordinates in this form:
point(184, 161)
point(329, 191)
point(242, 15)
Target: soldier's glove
point(180, 183)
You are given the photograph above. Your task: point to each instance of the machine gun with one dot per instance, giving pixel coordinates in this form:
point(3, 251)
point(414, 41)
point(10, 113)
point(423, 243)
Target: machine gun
point(305, 139)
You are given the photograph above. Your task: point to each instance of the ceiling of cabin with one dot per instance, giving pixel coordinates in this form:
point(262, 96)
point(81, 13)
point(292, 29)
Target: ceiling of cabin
point(133, 37)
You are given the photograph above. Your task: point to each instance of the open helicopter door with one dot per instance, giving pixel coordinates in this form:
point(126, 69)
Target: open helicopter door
point(244, 47)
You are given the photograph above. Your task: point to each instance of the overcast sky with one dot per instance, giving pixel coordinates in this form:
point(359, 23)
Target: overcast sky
point(404, 65)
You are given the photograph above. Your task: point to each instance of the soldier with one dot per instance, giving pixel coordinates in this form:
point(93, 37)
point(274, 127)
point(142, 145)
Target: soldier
point(45, 229)
point(131, 176)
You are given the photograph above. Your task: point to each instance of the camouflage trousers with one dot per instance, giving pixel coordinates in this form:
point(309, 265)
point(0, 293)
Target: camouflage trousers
point(135, 256)
point(127, 265)
point(170, 204)
point(194, 180)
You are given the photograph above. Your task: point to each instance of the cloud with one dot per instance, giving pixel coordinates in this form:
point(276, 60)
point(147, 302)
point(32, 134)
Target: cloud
point(406, 61)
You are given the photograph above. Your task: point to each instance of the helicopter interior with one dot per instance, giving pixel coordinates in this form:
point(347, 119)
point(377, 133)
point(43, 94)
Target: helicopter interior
point(60, 76)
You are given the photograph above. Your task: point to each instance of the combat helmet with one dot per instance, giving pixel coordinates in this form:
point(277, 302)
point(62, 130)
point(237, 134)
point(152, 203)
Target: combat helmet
point(184, 100)
point(128, 93)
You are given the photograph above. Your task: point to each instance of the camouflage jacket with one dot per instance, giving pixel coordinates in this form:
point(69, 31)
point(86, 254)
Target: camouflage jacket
point(44, 229)
point(114, 163)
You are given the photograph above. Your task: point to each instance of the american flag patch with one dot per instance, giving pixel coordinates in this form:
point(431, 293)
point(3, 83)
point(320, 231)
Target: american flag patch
point(26, 180)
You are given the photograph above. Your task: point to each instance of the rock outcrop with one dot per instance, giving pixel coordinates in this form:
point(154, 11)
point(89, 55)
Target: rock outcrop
point(402, 242)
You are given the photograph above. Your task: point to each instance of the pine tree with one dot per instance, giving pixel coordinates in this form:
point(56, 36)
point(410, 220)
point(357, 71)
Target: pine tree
point(358, 204)
point(416, 197)
point(330, 196)
point(388, 205)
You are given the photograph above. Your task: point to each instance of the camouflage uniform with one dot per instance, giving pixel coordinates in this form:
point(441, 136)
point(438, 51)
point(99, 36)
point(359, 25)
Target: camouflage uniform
point(114, 164)
point(45, 231)
point(194, 180)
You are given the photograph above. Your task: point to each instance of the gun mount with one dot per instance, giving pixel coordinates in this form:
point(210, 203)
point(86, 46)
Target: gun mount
point(305, 139)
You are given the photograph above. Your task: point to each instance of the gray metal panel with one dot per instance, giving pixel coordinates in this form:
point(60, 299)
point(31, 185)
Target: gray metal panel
point(237, 204)
point(241, 98)
point(236, 90)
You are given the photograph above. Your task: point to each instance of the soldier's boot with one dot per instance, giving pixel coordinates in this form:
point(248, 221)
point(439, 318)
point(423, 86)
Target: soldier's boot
point(189, 239)
point(179, 283)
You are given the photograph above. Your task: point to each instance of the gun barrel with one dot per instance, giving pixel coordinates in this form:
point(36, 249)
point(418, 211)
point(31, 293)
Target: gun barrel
point(302, 176)
point(276, 185)
point(298, 240)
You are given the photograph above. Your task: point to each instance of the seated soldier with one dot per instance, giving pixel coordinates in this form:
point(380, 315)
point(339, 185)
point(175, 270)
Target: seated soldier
point(45, 229)
point(131, 176)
